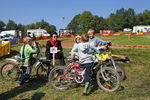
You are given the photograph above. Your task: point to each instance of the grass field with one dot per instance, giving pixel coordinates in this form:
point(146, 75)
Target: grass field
point(135, 87)
point(125, 40)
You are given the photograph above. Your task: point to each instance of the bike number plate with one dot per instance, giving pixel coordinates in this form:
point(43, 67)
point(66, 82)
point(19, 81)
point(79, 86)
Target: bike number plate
point(53, 50)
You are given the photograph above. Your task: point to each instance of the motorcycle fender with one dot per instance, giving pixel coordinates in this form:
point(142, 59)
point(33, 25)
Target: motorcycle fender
point(36, 65)
point(10, 59)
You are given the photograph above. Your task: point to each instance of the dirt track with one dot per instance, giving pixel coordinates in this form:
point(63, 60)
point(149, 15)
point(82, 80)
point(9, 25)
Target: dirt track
point(68, 43)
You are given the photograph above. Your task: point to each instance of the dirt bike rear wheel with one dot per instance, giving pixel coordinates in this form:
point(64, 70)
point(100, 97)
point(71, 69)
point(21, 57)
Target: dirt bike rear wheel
point(112, 82)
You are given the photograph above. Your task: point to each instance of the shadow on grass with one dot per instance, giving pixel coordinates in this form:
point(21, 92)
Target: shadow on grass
point(121, 88)
point(32, 85)
point(36, 96)
point(12, 53)
point(93, 88)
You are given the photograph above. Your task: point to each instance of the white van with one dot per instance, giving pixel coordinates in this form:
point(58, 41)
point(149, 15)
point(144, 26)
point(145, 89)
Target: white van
point(37, 32)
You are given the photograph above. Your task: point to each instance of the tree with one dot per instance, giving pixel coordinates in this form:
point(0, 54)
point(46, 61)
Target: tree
point(121, 12)
point(81, 22)
point(85, 21)
point(140, 19)
point(50, 28)
point(74, 24)
point(130, 18)
point(2, 26)
point(20, 27)
point(119, 20)
point(122, 19)
point(32, 26)
point(42, 24)
point(11, 25)
point(146, 17)
point(100, 24)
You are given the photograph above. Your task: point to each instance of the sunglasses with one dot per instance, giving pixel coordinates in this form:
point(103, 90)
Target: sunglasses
point(54, 36)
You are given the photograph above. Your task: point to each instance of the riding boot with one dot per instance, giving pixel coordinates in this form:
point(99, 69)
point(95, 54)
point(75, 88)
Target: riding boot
point(85, 88)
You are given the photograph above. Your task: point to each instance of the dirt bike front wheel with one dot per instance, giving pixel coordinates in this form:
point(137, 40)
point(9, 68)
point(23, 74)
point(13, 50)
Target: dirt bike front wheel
point(119, 68)
point(9, 72)
point(43, 71)
point(59, 83)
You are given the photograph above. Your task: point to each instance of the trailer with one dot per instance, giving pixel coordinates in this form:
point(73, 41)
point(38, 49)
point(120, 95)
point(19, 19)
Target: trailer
point(137, 29)
point(37, 33)
point(9, 32)
point(66, 32)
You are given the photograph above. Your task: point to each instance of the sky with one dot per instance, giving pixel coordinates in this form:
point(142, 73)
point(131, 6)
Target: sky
point(30, 11)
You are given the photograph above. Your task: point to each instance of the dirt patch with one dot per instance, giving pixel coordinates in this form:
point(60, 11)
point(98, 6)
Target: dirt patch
point(138, 67)
point(148, 36)
point(106, 37)
point(67, 43)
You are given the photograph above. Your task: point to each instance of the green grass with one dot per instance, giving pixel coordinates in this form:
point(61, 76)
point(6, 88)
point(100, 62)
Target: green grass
point(125, 40)
point(135, 87)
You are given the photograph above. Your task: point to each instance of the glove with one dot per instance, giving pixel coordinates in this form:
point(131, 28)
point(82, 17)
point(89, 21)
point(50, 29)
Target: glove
point(98, 51)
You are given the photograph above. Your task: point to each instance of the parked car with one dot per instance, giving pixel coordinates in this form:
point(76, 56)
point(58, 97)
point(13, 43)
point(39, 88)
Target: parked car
point(8, 36)
point(127, 29)
point(1, 37)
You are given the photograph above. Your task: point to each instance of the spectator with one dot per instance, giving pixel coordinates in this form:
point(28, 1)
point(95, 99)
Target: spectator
point(53, 42)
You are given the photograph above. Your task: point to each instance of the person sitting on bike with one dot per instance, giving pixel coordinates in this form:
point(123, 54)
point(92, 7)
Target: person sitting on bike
point(85, 57)
point(94, 40)
point(77, 41)
point(26, 60)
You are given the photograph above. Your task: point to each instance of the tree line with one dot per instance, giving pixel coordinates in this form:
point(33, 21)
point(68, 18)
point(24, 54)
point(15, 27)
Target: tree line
point(11, 25)
point(122, 18)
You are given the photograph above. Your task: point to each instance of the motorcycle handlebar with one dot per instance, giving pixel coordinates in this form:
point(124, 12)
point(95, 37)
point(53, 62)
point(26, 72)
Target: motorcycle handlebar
point(108, 45)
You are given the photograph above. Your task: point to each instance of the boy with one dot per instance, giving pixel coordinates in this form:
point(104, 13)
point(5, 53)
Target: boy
point(85, 57)
point(26, 60)
point(95, 41)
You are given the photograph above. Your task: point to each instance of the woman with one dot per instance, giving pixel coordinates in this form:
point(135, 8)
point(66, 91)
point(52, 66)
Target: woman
point(53, 42)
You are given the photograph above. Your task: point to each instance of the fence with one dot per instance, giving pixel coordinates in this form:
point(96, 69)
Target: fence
point(122, 34)
point(47, 37)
